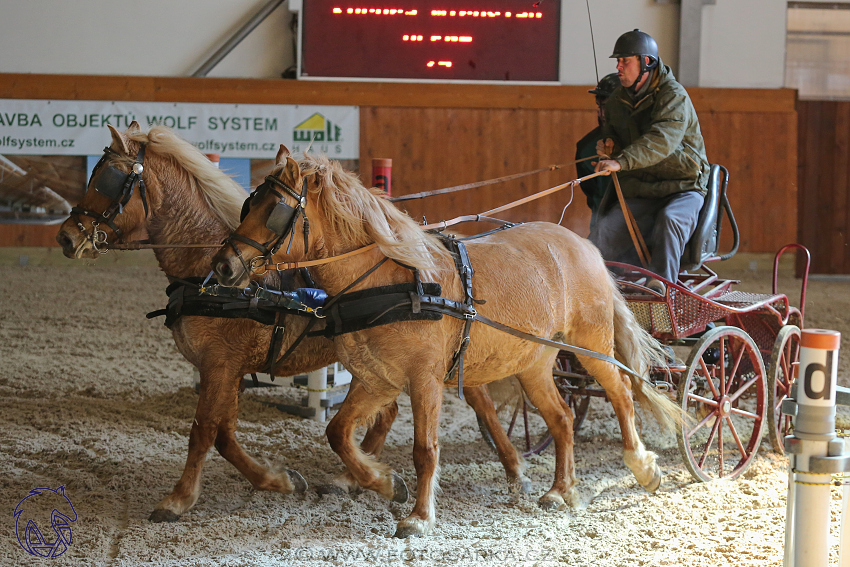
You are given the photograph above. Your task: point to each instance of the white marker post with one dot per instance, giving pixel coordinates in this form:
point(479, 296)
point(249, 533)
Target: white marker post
point(814, 451)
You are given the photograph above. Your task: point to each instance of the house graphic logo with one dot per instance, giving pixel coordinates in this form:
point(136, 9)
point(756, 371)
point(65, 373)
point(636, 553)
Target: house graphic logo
point(317, 128)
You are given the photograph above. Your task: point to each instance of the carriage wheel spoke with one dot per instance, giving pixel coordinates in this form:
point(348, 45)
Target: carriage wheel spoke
point(525, 423)
point(738, 357)
point(735, 436)
point(720, 447)
point(744, 388)
point(701, 424)
point(708, 443)
point(738, 411)
point(707, 375)
point(706, 401)
point(722, 365)
point(785, 383)
point(513, 418)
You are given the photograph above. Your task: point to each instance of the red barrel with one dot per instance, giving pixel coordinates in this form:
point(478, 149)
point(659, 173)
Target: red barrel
point(382, 174)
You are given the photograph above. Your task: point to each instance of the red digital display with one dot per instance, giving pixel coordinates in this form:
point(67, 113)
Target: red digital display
point(491, 40)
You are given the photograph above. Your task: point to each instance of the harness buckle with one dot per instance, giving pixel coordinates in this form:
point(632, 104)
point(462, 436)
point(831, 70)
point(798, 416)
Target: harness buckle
point(470, 313)
point(99, 238)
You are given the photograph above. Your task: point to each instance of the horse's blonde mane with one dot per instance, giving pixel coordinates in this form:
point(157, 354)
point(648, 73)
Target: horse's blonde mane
point(361, 216)
point(220, 191)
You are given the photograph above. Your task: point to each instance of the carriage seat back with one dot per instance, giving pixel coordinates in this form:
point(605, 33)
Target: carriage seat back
point(705, 241)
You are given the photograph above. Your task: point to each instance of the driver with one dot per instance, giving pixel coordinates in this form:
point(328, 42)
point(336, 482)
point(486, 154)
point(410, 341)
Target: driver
point(652, 135)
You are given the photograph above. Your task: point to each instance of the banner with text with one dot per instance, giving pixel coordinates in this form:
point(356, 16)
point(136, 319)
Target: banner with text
point(78, 127)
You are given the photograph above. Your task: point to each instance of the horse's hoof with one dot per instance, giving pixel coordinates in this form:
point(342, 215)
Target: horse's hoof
point(407, 528)
point(400, 493)
point(299, 485)
point(162, 515)
point(655, 482)
point(551, 501)
point(330, 488)
point(520, 485)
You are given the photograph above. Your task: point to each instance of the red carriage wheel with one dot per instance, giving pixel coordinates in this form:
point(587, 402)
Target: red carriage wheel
point(781, 375)
point(724, 397)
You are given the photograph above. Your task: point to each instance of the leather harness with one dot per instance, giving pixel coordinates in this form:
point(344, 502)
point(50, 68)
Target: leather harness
point(117, 186)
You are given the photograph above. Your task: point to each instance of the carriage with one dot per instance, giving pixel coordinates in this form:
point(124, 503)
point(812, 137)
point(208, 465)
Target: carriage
point(735, 354)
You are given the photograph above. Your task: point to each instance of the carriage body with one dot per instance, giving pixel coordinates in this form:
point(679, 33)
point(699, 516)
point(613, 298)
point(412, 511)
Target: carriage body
point(734, 354)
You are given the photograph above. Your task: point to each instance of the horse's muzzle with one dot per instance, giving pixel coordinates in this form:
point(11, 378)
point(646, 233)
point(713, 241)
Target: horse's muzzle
point(74, 246)
point(229, 271)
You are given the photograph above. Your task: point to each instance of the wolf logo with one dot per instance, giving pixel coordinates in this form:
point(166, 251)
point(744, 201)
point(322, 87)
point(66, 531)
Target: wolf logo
point(34, 507)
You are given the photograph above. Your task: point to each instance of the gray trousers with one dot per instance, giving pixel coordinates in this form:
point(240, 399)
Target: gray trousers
point(666, 225)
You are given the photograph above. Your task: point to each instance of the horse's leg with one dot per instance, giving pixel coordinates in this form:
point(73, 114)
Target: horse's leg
point(619, 390)
point(215, 423)
point(201, 438)
point(372, 444)
point(479, 399)
point(542, 392)
point(260, 477)
point(359, 407)
point(426, 397)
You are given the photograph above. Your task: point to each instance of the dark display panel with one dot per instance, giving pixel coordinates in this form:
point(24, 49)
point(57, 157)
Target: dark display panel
point(492, 40)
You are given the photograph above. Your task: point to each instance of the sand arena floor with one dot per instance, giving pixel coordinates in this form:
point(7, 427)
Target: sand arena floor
point(95, 397)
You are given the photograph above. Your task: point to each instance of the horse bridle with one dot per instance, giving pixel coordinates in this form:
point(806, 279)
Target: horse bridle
point(116, 185)
point(281, 221)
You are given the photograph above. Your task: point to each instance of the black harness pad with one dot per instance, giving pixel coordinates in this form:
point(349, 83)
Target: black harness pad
point(383, 305)
point(184, 299)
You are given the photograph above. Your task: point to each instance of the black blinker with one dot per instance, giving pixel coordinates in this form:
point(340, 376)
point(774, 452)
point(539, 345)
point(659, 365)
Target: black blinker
point(280, 220)
point(246, 208)
point(110, 182)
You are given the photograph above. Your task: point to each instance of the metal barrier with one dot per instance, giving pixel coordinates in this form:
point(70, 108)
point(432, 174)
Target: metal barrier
point(816, 452)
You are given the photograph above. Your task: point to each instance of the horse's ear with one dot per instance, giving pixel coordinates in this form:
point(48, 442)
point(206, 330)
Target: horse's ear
point(134, 127)
point(119, 140)
point(292, 170)
point(282, 154)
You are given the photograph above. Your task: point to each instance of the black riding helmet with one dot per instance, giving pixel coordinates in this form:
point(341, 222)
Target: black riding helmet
point(637, 43)
point(606, 86)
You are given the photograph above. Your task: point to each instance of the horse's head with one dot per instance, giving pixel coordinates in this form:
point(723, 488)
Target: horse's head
point(269, 219)
point(115, 203)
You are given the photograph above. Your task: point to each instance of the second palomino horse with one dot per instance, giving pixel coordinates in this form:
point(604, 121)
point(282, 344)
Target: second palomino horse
point(539, 278)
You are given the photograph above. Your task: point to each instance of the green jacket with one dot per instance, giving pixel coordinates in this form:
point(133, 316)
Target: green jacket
point(657, 138)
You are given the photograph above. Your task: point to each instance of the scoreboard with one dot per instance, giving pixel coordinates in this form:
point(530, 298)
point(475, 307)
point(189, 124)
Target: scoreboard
point(471, 40)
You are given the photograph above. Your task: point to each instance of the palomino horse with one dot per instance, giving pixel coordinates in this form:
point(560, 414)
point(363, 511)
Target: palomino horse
point(189, 201)
point(538, 277)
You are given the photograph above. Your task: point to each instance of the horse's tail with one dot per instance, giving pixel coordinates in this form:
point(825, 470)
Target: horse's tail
point(638, 350)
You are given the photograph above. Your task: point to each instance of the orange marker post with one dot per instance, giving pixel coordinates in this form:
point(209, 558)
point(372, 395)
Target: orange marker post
point(382, 174)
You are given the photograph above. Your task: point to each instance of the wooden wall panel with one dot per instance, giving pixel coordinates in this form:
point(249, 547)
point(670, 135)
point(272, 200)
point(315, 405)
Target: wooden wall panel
point(435, 148)
point(28, 234)
point(446, 134)
point(760, 152)
point(432, 95)
point(824, 180)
